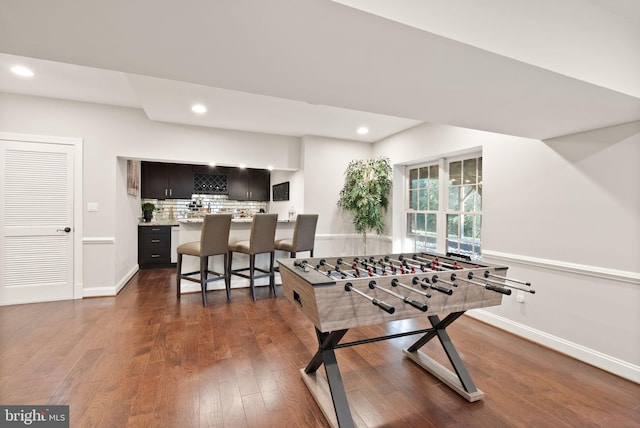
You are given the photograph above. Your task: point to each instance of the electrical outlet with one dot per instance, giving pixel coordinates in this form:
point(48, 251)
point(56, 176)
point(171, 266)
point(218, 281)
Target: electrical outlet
point(92, 206)
point(520, 297)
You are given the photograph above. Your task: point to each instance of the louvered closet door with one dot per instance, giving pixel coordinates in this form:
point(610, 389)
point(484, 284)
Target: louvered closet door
point(36, 191)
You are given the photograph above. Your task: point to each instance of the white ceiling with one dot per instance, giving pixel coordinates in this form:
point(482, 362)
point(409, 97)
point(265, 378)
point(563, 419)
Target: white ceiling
point(317, 67)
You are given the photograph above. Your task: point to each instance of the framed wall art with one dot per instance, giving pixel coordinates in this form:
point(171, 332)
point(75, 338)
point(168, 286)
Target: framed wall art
point(280, 192)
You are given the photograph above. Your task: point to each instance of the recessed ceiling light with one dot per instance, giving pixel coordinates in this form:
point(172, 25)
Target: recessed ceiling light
point(363, 130)
point(198, 108)
point(22, 71)
point(212, 164)
point(242, 166)
point(270, 168)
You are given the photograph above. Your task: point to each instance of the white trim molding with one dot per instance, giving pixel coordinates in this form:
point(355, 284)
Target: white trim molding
point(598, 359)
point(596, 271)
point(126, 278)
point(99, 240)
point(340, 236)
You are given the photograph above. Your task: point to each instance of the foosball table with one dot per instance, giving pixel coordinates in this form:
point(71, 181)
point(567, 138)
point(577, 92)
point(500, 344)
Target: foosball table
point(339, 293)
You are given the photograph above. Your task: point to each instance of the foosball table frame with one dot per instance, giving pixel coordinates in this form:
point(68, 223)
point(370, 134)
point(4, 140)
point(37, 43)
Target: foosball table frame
point(338, 293)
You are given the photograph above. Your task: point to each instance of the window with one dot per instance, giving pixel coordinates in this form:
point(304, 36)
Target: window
point(445, 206)
point(464, 216)
point(424, 201)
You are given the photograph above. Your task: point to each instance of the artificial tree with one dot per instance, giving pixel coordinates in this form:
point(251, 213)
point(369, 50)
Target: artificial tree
point(367, 186)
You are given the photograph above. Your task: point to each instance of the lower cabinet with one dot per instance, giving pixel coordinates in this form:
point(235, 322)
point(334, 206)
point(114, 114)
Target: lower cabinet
point(154, 247)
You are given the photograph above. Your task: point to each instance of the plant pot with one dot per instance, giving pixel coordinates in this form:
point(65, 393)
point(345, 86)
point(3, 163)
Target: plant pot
point(147, 215)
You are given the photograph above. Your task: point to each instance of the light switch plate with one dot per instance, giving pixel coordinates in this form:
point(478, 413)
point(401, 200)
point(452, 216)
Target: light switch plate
point(92, 206)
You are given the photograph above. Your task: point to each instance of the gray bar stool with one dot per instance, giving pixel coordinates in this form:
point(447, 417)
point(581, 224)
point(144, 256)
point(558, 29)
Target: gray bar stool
point(214, 241)
point(263, 232)
point(304, 236)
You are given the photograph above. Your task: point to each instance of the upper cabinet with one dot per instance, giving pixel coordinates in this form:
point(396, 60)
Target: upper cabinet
point(249, 184)
point(179, 181)
point(166, 180)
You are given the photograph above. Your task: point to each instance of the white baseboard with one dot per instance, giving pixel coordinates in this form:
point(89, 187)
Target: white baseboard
point(111, 291)
point(579, 352)
point(99, 292)
point(123, 281)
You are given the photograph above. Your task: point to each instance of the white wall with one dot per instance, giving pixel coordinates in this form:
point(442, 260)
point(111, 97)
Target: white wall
point(564, 214)
point(111, 132)
point(126, 230)
point(296, 193)
point(325, 161)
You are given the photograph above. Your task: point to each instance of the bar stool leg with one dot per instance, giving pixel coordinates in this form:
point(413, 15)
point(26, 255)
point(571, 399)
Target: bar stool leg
point(227, 276)
point(178, 273)
point(252, 267)
point(204, 270)
point(272, 274)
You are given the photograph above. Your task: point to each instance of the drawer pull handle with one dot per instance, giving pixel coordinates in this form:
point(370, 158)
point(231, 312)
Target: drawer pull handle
point(155, 230)
point(155, 256)
point(155, 240)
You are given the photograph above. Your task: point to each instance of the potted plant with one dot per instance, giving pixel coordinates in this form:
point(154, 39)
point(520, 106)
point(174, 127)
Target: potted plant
point(147, 211)
point(365, 194)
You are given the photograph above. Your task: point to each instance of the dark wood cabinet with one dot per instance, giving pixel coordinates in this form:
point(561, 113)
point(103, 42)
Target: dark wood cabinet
point(154, 247)
point(249, 184)
point(176, 181)
point(166, 180)
point(260, 188)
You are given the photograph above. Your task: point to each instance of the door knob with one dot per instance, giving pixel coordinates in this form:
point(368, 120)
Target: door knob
point(66, 229)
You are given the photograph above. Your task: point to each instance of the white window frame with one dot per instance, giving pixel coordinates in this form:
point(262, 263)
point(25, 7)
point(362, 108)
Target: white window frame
point(443, 203)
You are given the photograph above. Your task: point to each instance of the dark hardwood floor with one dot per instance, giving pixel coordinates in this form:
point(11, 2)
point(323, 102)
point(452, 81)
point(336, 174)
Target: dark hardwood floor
point(145, 359)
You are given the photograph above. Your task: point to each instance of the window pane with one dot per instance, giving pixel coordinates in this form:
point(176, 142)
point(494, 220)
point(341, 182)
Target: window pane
point(432, 223)
point(413, 178)
point(431, 243)
point(421, 226)
point(452, 226)
point(411, 223)
point(423, 200)
point(467, 226)
point(452, 246)
point(454, 198)
point(479, 199)
point(479, 170)
point(469, 170)
point(455, 173)
point(424, 177)
point(433, 175)
point(477, 227)
point(413, 201)
point(433, 199)
point(469, 198)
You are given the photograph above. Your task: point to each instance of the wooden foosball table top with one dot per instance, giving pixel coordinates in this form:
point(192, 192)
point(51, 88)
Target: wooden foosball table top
point(328, 304)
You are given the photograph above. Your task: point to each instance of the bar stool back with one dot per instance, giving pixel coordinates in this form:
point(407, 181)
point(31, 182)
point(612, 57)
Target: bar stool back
point(263, 232)
point(214, 241)
point(304, 236)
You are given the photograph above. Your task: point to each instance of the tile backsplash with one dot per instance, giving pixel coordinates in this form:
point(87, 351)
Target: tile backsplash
point(176, 209)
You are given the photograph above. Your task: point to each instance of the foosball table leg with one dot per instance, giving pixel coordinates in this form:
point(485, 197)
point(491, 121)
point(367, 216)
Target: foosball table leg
point(461, 381)
point(326, 355)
